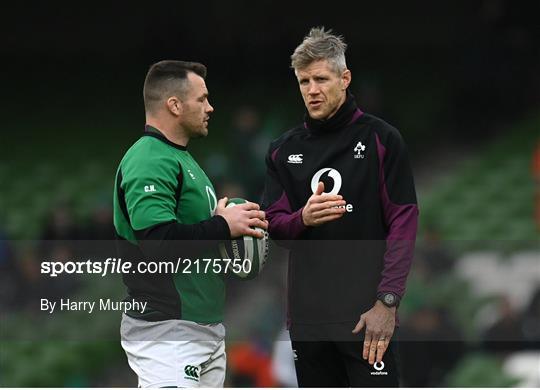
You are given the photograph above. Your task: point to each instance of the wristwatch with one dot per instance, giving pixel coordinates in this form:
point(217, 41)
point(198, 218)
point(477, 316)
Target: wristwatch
point(388, 299)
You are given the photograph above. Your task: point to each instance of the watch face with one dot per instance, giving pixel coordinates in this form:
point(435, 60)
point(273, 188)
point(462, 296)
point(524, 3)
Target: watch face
point(389, 299)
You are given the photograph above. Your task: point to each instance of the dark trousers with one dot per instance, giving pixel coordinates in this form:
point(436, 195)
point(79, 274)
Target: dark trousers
point(331, 363)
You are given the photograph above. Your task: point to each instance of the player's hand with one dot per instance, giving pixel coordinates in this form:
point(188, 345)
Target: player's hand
point(242, 218)
point(321, 208)
point(379, 322)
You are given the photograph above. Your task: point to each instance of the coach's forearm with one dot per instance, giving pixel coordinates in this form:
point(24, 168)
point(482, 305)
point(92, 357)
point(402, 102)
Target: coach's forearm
point(399, 250)
point(283, 226)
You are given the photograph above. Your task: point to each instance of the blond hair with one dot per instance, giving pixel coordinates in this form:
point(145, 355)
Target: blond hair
point(320, 44)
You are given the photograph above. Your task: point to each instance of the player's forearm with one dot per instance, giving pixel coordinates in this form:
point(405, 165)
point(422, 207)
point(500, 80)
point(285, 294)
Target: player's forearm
point(215, 228)
point(178, 239)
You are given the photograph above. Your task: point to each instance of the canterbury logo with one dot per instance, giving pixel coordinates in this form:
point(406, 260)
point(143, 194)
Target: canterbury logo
point(192, 371)
point(295, 159)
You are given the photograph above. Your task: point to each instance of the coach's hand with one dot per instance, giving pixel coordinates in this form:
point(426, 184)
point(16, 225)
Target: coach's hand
point(380, 322)
point(321, 208)
point(242, 218)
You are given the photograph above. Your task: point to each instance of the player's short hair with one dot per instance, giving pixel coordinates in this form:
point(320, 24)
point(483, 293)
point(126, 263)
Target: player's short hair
point(320, 44)
point(168, 78)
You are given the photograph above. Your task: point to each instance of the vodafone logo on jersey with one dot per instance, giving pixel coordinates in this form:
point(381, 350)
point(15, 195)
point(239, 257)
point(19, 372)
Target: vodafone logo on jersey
point(324, 175)
point(331, 172)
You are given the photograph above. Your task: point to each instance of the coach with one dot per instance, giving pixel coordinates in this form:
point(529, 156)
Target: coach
point(340, 185)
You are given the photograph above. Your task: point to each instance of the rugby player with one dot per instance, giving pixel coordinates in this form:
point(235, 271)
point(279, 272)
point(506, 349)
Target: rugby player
point(164, 204)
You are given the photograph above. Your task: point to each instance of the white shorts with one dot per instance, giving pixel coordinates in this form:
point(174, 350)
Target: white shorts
point(174, 353)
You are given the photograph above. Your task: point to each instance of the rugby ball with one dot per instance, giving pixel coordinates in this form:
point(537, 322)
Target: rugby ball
point(248, 254)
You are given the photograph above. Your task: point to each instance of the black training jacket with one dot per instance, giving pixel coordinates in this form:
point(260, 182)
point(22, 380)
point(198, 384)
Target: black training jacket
point(337, 269)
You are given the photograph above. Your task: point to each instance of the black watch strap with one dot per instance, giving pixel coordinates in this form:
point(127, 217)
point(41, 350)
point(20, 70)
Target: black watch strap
point(389, 299)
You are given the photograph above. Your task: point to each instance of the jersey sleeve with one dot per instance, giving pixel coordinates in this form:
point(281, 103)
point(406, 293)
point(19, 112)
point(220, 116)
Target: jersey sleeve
point(400, 210)
point(283, 222)
point(150, 191)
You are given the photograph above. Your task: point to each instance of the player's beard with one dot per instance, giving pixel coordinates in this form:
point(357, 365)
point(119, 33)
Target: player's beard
point(199, 132)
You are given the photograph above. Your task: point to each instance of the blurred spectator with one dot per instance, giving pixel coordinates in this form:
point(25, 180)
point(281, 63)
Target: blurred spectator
point(505, 334)
point(531, 322)
point(100, 226)
point(60, 233)
point(248, 144)
point(36, 285)
point(60, 225)
point(370, 95)
point(535, 168)
point(431, 346)
point(58, 242)
point(99, 234)
point(33, 286)
point(10, 278)
point(432, 255)
point(250, 365)
point(59, 230)
point(283, 361)
point(232, 189)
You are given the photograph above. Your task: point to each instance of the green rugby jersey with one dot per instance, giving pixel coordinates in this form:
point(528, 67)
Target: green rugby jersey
point(164, 200)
